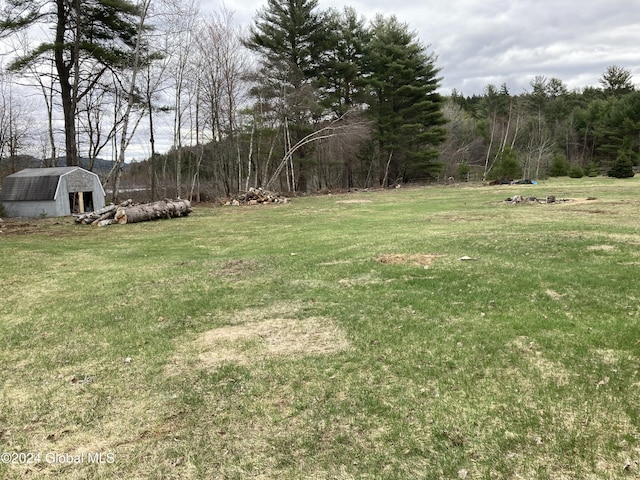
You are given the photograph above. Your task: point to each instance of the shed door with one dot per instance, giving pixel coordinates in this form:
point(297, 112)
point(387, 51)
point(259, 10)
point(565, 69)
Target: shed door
point(80, 202)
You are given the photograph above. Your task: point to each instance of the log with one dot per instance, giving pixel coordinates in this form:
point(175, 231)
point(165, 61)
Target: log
point(104, 223)
point(120, 216)
point(91, 216)
point(100, 214)
point(106, 216)
point(153, 211)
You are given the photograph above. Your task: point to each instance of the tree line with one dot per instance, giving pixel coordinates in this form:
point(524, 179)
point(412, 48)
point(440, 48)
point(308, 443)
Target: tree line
point(548, 130)
point(306, 99)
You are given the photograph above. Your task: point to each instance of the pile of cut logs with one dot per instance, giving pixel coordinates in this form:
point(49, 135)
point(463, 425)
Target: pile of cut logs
point(255, 196)
point(128, 212)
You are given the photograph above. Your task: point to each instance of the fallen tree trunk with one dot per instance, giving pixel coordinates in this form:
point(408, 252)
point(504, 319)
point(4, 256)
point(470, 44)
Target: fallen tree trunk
point(153, 211)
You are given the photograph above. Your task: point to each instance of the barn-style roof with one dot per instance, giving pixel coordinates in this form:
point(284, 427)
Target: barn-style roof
point(33, 184)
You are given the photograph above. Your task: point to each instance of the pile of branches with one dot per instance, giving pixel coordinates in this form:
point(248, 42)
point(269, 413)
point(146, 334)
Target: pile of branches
point(256, 196)
point(550, 199)
point(128, 212)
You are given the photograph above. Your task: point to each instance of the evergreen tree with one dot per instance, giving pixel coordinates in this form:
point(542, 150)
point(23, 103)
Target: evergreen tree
point(623, 168)
point(341, 80)
point(404, 103)
point(289, 37)
point(89, 37)
point(617, 81)
point(559, 166)
point(506, 166)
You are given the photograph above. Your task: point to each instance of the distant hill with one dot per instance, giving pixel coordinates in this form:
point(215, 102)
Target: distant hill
point(100, 166)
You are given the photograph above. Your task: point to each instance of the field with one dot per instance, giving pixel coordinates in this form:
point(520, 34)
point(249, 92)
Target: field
point(417, 333)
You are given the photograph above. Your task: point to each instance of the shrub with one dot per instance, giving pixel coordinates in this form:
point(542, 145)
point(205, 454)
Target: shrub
point(576, 172)
point(559, 166)
point(507, 165)
point(463, 171)
point(592, 169)
point(623, 168)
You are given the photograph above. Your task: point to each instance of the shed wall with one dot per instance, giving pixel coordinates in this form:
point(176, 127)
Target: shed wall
point(79, 181)
point(62, 199)
point(31, 209)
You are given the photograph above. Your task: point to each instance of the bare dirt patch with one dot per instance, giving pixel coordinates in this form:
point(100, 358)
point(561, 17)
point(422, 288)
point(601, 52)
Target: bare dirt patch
point(53, 227)
point(420, 259)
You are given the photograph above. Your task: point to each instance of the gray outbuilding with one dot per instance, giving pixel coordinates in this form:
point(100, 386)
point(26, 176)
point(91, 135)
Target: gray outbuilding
point(52, 192)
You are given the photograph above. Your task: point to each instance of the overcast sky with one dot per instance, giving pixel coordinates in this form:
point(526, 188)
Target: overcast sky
point(479, 42)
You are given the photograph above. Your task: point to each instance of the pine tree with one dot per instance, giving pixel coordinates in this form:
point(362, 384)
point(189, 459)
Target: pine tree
point(617, 81)
point(288, 36)
point(341, 80)
point(404, 103)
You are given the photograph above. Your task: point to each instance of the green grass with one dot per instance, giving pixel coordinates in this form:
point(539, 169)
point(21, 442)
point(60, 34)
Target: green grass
point(271, 342)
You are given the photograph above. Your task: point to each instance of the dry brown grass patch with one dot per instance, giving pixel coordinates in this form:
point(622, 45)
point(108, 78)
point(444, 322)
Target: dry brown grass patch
point(601, 248)
point(532, 353)
point(254, 335)
point(420, 259)
point(234, 268)
point(246, 344)
point(354, 201)
point(553, 294)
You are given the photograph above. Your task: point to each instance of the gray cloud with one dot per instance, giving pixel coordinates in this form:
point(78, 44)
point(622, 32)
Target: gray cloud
point(491, 41)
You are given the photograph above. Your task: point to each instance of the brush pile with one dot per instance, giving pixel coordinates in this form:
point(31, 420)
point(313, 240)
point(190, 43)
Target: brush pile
point(550, 199)
point(128, 212)
point(256, 196)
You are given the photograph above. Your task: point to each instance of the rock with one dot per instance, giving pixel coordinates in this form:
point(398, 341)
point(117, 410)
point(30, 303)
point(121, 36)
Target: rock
point(551, 198)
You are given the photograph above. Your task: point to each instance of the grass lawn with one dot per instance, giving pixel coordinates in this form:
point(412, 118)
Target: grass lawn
point(337, 337)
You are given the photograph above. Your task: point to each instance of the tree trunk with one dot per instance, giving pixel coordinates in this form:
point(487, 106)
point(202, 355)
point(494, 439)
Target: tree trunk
point(153, 211)
point(135, 68)
point(66, 90)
